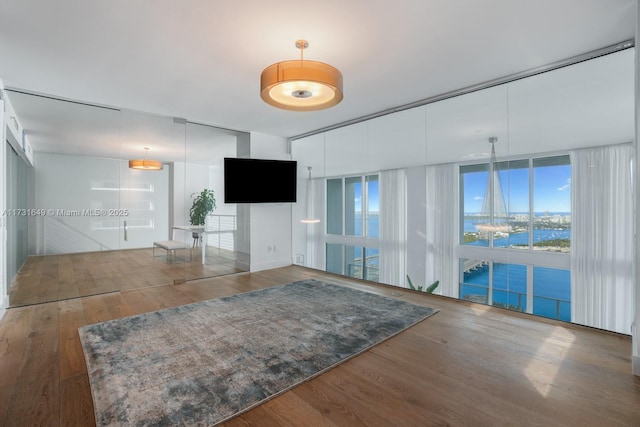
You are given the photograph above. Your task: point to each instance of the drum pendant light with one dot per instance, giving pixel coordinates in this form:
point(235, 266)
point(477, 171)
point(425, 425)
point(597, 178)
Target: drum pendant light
point(300, 85)
point(145, 164)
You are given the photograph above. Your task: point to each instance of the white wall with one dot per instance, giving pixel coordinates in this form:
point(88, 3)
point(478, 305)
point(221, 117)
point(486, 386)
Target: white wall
point(270, 223)
point(63, 183)
point(72, 191)
point(145, 196)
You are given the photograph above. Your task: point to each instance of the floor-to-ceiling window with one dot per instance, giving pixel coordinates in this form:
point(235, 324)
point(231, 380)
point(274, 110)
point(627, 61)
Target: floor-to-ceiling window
point(557, 246)
point(536, 193)
point(353, 226)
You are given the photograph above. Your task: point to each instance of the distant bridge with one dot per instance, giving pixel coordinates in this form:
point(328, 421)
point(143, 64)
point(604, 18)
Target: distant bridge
point(473, 264)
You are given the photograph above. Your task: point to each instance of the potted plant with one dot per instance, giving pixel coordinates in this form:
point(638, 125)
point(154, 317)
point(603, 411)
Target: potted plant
point(203, 204)
point(429, 289)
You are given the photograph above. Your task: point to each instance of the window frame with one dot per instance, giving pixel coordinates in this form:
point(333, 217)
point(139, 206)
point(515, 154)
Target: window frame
point(531, 159)
point(365, 242)
point(507, 255)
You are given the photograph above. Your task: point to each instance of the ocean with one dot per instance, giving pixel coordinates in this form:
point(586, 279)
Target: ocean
point(551, 287)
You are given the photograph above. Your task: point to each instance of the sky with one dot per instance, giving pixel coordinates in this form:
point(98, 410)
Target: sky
point(374, 196)
point(551, 189)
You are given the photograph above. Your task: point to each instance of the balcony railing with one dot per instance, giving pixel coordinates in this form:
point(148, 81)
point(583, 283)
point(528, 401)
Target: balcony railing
point(371, 271)
point(552, 308)
point(221, 231)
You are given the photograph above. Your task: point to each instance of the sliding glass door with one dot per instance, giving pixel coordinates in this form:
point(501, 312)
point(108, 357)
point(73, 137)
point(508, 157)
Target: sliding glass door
point(202, 219)
point(107, 226)
point(75, 162)
point(17, 188)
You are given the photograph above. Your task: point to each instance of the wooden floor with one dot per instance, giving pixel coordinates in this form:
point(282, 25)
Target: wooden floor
point(468, 365)
point(58, 277)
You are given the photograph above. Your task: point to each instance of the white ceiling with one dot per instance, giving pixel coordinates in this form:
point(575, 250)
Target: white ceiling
point(201, 60)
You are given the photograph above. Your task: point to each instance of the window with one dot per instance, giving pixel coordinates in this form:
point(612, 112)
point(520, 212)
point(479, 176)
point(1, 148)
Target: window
point(552, 204)
point(373, 206)
point(474, 286)
point(552, 293)
point(498, 284)
point(514, 177)
point(361, 267)
point(509, 286)
point(334, 258)
point(334, 206)
point(353, 226)
point(353, 207)
point(473, 185)
point(536, 195)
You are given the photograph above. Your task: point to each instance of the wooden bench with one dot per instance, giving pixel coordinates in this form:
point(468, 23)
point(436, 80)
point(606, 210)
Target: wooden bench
point(171, 246)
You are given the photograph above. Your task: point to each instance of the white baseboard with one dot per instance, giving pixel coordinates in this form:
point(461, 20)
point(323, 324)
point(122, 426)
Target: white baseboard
point(635, 365)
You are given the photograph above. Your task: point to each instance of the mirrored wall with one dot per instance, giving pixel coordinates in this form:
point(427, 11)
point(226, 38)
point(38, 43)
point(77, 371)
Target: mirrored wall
point(97, 225)
point(517, 195)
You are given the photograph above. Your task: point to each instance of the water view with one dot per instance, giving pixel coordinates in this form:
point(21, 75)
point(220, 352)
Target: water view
point(551, 232)
point(551, 288)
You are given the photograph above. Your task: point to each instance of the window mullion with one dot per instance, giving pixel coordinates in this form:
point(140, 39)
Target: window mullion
point(364, 203)
point(364, 262)
point(490, 290)
point(529, 289)
point(531, 199)
point(344, 208)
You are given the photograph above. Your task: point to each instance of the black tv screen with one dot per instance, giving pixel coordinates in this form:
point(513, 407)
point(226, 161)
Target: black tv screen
point(259, 180)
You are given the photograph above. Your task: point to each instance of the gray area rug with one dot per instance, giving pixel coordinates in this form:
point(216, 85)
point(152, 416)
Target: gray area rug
point(203, 363)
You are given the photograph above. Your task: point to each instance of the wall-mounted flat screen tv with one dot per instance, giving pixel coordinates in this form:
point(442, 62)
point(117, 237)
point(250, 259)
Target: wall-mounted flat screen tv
point(260, 180)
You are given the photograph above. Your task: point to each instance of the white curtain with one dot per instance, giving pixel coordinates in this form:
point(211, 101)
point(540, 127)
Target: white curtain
point(316, 256)
point(440, 229)
point(393, 227)
point(602, 273)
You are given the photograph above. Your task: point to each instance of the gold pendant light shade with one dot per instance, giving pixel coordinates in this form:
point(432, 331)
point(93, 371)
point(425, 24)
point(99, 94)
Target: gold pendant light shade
point(300, 85)
point(145, 164)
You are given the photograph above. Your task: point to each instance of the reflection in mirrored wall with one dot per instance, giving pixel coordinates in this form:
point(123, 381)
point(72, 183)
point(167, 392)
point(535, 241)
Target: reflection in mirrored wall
point(516, 195)
point(213, 236)
point(100, 225)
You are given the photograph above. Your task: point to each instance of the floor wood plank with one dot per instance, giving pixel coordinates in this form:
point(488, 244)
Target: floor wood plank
point(36, 399)
point(468, 365)
point(76, 405)
point(58, 277)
